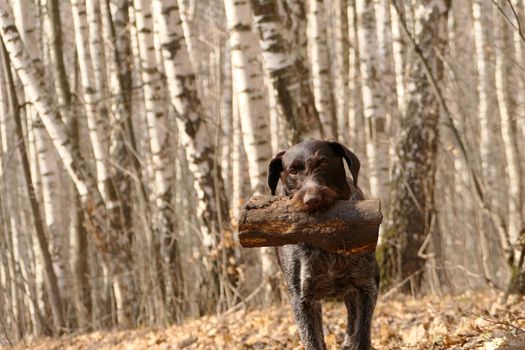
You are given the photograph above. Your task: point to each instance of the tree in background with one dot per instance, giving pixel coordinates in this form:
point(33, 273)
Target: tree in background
point(413, 207)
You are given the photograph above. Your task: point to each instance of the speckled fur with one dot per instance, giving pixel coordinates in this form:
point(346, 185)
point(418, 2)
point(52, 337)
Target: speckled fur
point(312, 274)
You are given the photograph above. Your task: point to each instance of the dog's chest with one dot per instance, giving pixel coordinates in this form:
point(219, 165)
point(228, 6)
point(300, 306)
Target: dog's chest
point(325, 275)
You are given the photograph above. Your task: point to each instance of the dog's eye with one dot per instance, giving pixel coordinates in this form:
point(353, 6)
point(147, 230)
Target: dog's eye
point(323, 163)
point(293, 171)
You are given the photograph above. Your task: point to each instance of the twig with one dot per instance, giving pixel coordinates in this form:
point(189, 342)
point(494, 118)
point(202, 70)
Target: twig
point(247, 299)
point(503, 323)
point(517, 18)
point(399, 285)
point(502, 11)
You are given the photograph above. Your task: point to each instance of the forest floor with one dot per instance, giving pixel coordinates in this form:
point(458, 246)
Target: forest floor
point(466, 321)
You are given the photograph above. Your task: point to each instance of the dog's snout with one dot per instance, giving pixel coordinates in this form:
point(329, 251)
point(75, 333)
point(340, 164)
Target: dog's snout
point(312, 199)
point(313, 196)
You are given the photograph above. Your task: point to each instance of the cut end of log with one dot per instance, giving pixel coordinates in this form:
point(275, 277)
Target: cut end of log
point(347, 227)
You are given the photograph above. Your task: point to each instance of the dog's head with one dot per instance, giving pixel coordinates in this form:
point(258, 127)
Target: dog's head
point(313, 173)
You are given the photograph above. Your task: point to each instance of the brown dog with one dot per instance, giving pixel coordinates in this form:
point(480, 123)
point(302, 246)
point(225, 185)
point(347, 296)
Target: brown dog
point(312, 173)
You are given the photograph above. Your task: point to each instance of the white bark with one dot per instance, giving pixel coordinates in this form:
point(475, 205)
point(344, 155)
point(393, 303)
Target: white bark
point(155, 118)
point(237, 168)
point(519, 48)
point(481, 10)
point(377, 146)
point(248, 87)
point(507, 109)
point(159, 143)
point(194, 133)
point(289, 77)
point(341, 48)
point(355, 105)
point(398, 53)
point(248, 84)
point(98, 62)
point(227, 120)
point(386, 61)
point(90, 93)
point(44, 162)
point(320, 67)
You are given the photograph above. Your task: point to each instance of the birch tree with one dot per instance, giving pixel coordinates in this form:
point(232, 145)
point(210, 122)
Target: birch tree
point(41, 164)
point(290, 84)
point(355, 104)
point(112, 249)
point(50, 275)
point(507, 109)
point(248, 83)
point(376, 123)
point(481, 11)
point(195, 137)
point(413, 207)
point(398, 56)
point(320, 63)
point(159, 142)
point(90, 94)
point(52, 28)
point(341, 73)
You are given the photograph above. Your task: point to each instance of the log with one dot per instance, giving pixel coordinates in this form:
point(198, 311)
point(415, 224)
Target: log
point(347, 227)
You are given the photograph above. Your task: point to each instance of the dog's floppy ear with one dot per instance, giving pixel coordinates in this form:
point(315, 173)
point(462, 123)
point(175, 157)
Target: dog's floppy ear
point(274, 171)
point(351, 159)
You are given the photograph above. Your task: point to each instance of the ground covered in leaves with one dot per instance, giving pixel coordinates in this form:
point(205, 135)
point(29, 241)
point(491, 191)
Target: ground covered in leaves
point(468, 321)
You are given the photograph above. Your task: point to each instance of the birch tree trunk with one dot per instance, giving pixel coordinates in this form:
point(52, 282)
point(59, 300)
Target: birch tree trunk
point(98, 63)
point(413, 205)
point(157, 131)
point(113, 249)
point(376, 123)
point(518, 19)
point(41, 164)
point(320, 63)
point(248, 84)
point(6, 202)
point(92, 99)
point(50, 276)
point(355, 105)
point(481, 11)
point(296, 28)
point(53, 38)
point(507, 108)
point(90, 94)
point(341, 48)
point(398, 55)
point(287, 74)
point(195, 136)
point(386, 63)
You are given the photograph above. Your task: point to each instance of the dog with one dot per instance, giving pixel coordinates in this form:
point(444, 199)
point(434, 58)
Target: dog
point(312, 173)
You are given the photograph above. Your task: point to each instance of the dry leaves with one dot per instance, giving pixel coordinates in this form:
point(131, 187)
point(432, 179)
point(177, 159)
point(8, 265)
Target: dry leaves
point(431, 322)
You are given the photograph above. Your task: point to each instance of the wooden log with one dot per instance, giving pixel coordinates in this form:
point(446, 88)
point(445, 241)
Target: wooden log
point(347, 227)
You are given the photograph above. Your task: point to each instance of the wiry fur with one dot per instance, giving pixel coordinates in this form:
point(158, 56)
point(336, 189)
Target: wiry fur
point(315, 168)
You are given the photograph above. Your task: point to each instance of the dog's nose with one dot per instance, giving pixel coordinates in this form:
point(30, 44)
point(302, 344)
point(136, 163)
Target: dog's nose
point(312, 199)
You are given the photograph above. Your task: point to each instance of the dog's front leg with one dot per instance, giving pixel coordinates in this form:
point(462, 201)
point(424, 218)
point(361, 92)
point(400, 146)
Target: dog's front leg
point(308, 318)
point(360, 306)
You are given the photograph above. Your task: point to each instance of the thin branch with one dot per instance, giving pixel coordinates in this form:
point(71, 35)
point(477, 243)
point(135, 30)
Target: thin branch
point(502, 11)
point(517, 18)
point(503, 323)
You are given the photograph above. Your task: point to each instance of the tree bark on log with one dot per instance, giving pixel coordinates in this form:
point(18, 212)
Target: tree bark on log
point(348, 227)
